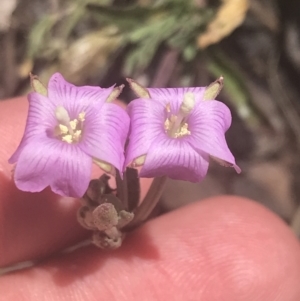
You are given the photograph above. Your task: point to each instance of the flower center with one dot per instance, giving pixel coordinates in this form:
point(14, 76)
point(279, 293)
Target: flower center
point(176, 125)
point(68, 130)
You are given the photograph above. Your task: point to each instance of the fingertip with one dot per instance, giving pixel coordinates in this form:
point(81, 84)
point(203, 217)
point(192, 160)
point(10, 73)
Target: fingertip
point(34, 225)
point(223, 248)
point(13, 114)
point(254, 253)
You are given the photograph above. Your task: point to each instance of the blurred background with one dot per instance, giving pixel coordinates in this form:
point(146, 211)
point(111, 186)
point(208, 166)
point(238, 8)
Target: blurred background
point(254, 44)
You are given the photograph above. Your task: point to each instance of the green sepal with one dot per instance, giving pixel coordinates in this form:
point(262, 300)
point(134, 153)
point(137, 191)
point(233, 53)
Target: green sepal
point(37, 85)
point(213, 90)
point(138, 89)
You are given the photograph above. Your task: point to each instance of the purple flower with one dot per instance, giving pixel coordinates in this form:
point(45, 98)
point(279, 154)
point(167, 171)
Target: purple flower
point(65, 132)
point(174, 132)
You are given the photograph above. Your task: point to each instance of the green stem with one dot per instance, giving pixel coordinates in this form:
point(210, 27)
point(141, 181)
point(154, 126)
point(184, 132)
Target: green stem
point(122, 189)
point(151, 199)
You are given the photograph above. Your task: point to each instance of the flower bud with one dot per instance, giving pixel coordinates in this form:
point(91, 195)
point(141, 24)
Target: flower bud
point(105, 217)
point(85, 218)
point(113, 240)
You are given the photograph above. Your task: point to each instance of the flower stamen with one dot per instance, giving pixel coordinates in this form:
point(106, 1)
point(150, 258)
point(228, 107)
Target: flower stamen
point(176, 125)
point(68, 130)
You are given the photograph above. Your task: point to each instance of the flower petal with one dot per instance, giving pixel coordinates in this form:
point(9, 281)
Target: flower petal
point(105, 134)
point(40, 119)
point(50, 162)
point(75, 99)
point(175, 158)
point(174, 96)
point(147, 122)
point(208, 124)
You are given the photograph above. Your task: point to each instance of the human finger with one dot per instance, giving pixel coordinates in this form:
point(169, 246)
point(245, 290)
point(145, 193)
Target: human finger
point(224, 248)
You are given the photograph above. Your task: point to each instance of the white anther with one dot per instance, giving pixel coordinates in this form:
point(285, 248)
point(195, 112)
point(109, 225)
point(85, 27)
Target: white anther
point(62, 116)
point(188, 103)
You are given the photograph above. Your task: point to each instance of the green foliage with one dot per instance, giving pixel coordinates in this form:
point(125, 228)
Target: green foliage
point(39, 34)
point(234, 87)
point(145, 28)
